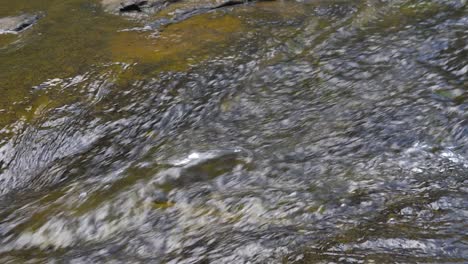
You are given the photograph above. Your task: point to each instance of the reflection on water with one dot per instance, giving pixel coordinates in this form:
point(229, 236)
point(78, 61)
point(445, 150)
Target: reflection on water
point(274, 132)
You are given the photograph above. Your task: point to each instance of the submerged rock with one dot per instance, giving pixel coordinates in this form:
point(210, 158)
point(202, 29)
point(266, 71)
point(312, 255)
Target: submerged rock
point(16, 24)
point(187, 9)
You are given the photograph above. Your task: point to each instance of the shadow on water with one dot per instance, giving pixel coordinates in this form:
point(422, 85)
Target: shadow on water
point(272, 132)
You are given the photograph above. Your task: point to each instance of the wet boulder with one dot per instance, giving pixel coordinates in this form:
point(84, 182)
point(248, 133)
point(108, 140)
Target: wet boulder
point(129, 6)
point(187, 9)
point(16, 24)
point(153, 6)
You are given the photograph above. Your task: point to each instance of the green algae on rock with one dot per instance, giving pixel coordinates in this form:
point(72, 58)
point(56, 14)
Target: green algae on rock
point(180, 46)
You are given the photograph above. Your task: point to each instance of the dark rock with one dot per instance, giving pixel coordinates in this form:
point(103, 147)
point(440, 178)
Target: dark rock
point(16, 24)
point(202, 6)
point(153, 6)
point(129, 6)
point(133, 7)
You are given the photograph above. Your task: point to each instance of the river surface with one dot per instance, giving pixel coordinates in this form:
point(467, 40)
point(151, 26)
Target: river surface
point(266, 132)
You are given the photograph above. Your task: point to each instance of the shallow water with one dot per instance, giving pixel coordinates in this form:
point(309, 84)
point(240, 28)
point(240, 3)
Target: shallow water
point(272, 132)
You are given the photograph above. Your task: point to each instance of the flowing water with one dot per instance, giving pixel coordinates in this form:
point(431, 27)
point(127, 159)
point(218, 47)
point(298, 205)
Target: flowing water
point(266, 132)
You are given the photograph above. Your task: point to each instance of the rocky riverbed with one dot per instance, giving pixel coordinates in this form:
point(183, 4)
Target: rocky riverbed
point(177, 131)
